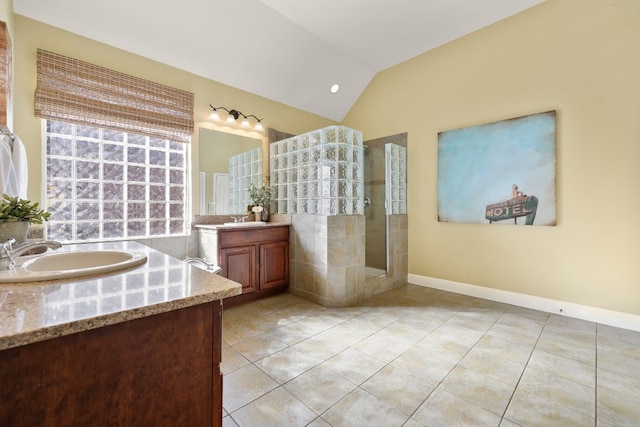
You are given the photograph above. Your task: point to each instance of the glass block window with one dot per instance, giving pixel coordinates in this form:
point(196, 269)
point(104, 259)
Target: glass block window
point(109, 185)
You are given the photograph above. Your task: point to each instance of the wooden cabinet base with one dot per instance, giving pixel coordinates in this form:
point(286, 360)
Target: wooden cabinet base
point(257, 258)
point(161, 370)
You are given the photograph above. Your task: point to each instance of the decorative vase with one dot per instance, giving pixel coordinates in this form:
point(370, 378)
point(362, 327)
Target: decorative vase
point(265, 212)
point(258, 216)
point(14, 230)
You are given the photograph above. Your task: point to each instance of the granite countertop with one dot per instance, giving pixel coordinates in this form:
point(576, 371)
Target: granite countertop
point(36, 311)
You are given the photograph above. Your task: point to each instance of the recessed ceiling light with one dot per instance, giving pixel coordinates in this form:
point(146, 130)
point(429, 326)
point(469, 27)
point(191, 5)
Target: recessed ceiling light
point(335, 88)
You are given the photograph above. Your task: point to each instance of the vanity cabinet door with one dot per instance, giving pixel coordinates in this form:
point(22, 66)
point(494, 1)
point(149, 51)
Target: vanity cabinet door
point(257, 258)
point(274, 264)
point(239, 264)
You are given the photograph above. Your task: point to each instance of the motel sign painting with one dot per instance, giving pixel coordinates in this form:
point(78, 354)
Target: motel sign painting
point(499, 173)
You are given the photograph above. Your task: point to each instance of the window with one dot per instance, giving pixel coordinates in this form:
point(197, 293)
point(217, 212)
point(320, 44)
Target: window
point(105, 185)
point(116, 151)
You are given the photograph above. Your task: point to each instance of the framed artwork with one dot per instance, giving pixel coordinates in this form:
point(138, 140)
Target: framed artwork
point(499, 173)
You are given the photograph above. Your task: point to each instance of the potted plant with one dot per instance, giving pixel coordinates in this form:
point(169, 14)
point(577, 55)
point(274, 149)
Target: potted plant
point(16, 215)
point(260, 197)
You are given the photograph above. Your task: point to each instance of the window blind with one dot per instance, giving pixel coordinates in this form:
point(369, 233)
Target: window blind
point(82, 93)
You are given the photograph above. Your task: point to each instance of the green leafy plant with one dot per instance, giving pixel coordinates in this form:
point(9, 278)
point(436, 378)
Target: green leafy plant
point(259, 195)
point(13, 209)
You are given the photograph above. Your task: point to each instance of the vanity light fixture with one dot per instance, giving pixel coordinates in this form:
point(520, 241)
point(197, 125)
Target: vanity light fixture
point(233, 116)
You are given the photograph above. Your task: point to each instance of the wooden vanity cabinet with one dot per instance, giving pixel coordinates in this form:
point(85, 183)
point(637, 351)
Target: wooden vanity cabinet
point(257, 258)
point(161, 370)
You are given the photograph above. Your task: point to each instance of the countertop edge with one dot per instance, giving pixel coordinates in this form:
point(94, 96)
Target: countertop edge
point(206, 287)
point(84, 325)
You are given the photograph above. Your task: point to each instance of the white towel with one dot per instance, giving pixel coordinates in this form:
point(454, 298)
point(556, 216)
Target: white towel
point(8, 177)
point(20, 166)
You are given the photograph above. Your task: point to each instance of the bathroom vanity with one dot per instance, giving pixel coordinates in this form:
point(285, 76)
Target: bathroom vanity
point(136, 347)
point(256, 256)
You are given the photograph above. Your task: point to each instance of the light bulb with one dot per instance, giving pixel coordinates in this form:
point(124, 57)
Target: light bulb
point(245, 123)
point(214, 116)
point(230, 119)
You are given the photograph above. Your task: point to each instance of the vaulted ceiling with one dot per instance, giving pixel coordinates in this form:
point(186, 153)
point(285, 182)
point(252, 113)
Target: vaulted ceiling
point(290, 51)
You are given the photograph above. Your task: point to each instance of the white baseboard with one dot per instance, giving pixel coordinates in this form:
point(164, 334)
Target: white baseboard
point(584, 312)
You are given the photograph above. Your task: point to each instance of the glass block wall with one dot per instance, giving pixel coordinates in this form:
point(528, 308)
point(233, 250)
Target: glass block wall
point(244, 168)
point(319, 173)
point(396, 178)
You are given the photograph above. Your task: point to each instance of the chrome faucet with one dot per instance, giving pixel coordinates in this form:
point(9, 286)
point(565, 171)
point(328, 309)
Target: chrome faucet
point(239, 218)
point(209, 266)
point(8, 253)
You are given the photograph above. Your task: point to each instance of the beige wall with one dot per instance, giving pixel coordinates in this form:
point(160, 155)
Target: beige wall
point(579, 57)
point(31, 35)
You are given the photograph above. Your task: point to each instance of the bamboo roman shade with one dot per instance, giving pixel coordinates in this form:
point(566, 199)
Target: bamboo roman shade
point(74, 91)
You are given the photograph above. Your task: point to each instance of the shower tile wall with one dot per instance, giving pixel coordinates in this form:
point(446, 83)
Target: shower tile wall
point(396, 218)
point(375, 213)
point(327, 258)
point(244, 168)
point(317, 181)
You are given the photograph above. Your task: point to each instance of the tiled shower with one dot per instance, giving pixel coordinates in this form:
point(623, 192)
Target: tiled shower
point(318, 179)
point(386, 221)
point(319, 173)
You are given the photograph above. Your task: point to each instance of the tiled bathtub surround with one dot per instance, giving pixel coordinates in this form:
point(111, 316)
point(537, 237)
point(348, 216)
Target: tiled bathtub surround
point(319, 173)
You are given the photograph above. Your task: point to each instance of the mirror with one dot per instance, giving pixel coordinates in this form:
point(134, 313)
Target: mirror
point(216, 148)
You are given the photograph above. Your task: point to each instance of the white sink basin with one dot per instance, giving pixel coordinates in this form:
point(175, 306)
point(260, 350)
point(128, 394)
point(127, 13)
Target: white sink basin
point(52, 265)
point(244, 224)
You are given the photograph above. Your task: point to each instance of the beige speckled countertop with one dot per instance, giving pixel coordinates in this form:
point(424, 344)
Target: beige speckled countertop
point(36, 311)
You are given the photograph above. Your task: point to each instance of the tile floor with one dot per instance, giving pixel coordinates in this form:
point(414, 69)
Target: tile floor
point(416, 356)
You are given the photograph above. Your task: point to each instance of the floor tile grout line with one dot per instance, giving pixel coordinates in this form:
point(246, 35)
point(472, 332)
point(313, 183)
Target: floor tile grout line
point(551, 323)
point(533, 349)
point(595, 385)
point(290, 346)
point(357, 386)
point(457, 364)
